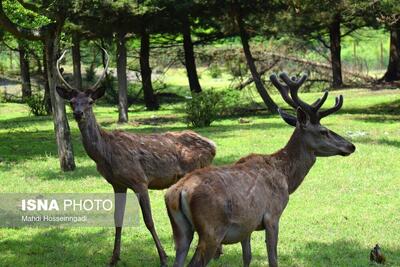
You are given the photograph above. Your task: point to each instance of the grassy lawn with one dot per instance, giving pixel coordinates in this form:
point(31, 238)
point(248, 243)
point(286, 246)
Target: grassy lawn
point(344, 207)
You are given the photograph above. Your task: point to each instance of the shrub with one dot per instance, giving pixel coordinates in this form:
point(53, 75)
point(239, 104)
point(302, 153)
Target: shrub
point(215, 71)
point(202, 109)
point(2, 97)
point(237, 68)
point(232, 102)
point(90, 73)
point(36, 105)
point(109, 83)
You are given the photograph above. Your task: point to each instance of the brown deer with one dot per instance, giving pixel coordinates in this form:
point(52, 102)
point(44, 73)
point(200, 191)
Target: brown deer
point(135, 161)
point(226, 204)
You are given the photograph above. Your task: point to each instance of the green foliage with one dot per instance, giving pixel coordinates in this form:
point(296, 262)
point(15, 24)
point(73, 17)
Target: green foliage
point(90, 73)
point(215, 71)
point(111, 96)
point(237, 68)
point(24, 17)
point(36, 105)
point(203, 108)
point(233, 102)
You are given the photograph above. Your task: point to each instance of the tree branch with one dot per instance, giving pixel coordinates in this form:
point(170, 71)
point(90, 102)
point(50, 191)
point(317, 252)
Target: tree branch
point(350, 31)
point(17, 31)
point(320, 39)
point(10, 47)
point(30, 6)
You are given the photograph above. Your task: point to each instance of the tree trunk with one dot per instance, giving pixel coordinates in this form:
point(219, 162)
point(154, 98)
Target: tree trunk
point(244, 37)
point(122, 79)
point(149, 98)
point(334, 37)
point(76, 60)
point(25, 75)
point(38, 61)
point(393, 68)
point(46, 97)
point(190, 62)
point(61, 126)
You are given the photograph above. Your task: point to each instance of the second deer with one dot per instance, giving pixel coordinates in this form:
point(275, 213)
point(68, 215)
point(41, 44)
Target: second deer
point(224, 205)
point(135, 161)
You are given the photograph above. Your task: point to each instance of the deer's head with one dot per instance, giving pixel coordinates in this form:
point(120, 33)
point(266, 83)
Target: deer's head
point(318, 138)
point(81, 101)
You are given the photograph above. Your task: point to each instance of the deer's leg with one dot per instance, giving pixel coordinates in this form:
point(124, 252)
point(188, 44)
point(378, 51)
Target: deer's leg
point(144, 202)
point(183, 236)
point(271, 231)
point(120, 201)
point(246, 251)
point(205, 251)
point(218, 253)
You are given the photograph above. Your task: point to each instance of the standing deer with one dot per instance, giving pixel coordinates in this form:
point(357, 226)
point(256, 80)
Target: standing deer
point(136, 161)
point(226, 204)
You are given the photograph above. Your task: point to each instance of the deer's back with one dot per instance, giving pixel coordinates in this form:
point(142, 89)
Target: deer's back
point(161, 159)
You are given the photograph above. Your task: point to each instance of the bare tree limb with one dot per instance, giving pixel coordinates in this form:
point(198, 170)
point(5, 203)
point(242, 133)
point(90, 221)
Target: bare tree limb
point(322, 41)
point(250, 80)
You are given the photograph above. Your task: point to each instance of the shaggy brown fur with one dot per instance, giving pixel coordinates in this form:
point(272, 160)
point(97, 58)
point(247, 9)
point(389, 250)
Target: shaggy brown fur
point(137, 161)
point(226, 204)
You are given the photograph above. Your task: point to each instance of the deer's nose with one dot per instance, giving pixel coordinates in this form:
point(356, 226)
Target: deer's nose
point(78, 114)
point(352, 148)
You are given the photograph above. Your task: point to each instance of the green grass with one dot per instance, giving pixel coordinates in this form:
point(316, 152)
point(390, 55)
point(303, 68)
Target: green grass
point(344, 207)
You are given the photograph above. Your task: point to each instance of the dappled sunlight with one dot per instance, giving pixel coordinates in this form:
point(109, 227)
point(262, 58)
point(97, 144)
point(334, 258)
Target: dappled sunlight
point(344, 206)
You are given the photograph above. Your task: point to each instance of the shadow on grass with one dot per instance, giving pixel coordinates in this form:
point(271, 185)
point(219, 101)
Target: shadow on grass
point(77, 247)
point(383, 112)
point(23, 145)
point(381, 141)
point(79, 173)
point(24, 122)
point(387, 108)
point(338, 253)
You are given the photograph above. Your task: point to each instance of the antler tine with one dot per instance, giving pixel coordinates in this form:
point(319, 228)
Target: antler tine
point(283, 90)
point(94, 87)
point(294, 87)
point(338, 105)
point(320, 101)
point(293, 82)
point(59, 73)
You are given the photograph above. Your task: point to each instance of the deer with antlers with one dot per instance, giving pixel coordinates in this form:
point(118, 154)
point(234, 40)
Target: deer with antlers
point(226, 204)
point(135, 161)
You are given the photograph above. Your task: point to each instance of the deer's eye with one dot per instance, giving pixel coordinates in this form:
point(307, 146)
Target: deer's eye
point(91, 102)
point(324, 132)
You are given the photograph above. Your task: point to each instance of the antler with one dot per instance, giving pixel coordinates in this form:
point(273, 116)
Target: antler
point(338, 105)
point(283, 89)
point(94, 87)
point(292, 85)
point(59, 73)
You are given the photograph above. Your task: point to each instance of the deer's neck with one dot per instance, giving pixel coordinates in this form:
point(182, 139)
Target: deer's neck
point(92, 137)
point(296, 160)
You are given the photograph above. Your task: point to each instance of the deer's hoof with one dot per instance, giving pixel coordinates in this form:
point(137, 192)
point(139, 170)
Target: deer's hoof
point(218, 253)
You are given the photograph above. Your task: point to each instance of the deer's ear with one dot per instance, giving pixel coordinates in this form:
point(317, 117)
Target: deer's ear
point(65, 93)
point(302, 117)
point(289, 119)
point(99, 92)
